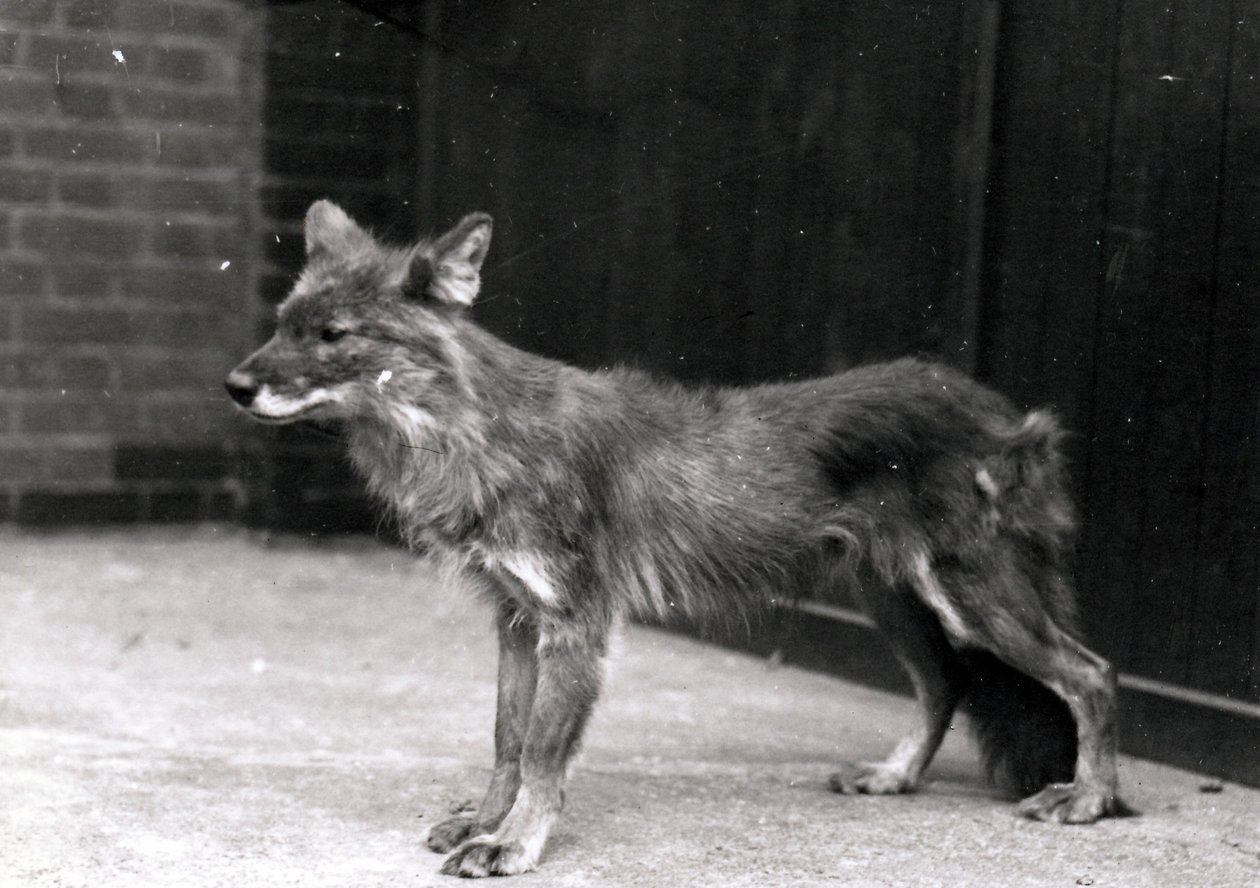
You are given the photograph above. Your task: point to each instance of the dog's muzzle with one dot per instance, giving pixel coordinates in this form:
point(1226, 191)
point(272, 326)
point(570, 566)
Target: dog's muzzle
point(242, 387)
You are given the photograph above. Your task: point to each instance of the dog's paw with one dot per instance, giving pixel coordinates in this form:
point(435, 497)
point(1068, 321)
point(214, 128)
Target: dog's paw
point(1066, 803)
point(453, 831)
point(869, 779)
point(484, 856)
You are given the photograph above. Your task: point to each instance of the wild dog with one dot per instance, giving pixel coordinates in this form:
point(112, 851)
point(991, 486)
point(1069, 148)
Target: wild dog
point(578, 498)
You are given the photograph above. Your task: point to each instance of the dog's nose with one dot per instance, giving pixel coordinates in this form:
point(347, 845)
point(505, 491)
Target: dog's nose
point(242, 387)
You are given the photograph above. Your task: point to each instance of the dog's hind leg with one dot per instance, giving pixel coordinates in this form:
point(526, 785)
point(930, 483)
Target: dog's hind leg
point(1087, 683)
point(1013, 609)
point(518, 672)
point(915, 635)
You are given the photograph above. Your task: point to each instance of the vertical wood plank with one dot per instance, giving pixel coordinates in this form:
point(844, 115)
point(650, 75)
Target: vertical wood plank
point(641, 283)
point(1115, 473)
point(1046, 218)
point(429, 108)
point(980, 37)
point(1225, 621)
point(708, 113)
point(1044, 234)
point(890, 180)
point(782, 127)
point(1154, 326)
point(767, 193)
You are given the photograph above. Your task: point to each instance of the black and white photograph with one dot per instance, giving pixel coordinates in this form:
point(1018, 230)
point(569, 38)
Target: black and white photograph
point(630, 443)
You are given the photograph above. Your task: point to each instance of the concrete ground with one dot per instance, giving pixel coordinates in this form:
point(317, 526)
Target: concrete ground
point(199, 708)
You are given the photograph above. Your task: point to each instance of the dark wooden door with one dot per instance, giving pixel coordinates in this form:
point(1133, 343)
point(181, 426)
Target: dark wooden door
point(1061, 196)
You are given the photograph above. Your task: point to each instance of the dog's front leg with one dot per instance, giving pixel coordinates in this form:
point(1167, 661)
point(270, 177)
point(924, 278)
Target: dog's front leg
point(518, 672)
point(570, 657)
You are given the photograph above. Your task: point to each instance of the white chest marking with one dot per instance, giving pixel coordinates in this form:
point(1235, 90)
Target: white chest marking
point(532, 576)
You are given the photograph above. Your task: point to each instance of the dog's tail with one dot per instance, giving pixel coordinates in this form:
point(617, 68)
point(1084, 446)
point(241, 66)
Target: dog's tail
point(1026, 733)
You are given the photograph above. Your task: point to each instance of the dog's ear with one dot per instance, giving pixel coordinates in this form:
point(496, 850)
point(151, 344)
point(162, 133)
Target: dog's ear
point(330, 231)
point(448, 270)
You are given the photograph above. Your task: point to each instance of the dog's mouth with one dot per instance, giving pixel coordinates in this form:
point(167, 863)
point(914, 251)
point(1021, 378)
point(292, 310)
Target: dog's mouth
point(278, 419)
point(272, 409)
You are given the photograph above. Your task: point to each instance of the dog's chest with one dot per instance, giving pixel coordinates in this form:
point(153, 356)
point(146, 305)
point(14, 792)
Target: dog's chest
point(527, 577)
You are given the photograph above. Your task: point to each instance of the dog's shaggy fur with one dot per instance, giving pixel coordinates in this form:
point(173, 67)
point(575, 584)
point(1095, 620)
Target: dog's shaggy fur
point(577, 498)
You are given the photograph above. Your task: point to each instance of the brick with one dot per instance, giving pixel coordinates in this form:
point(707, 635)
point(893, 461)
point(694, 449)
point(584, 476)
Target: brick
point(87, 101)
point(335, 114)
point(344, 74)
point(183, 241)
point(19, 277)
point(196, 18)
point(28, 464)
point(189, 370)
point(200, 149)
point(65, 236)
point(145, 16)
point(77, 413)
point(372, 202)
point(74, 145)
point(315, 468)
point(220, 197)
point(287, 200)
point(106, 507)
point(9, 48)
point(54, 370)
point(27, 95)
point(306, 100)
point(35, 464)
point(310, 160)
point(288, 252)
point(182, 64)
point(64, 56)
point(220, 505)
point(185, 504)
point(78, 464)
point(190, 286)
point(166, 104)
point(171, 463)
point(91, 14)
point(175, 328)
point(275, 287)
point(332, 515)
point(86, 190)
point(296, 32)
point(254, 460)
point(228, 244)
point(74, 325)
point(196, 419)
point(24, 186)
point(28, 11)
point(79, 280)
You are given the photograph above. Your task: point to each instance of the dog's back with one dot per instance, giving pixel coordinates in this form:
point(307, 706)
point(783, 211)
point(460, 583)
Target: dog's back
point(708, 501)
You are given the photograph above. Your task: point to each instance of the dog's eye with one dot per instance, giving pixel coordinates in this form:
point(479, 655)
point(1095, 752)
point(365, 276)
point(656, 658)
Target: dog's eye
point(332, 334)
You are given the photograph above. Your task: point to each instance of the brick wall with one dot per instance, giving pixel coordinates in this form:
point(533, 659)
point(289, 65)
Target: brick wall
point(130, 155)
point(156, 159)
point(340, 123)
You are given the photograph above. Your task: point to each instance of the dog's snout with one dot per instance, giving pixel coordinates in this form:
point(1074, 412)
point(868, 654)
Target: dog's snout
point(242, 387)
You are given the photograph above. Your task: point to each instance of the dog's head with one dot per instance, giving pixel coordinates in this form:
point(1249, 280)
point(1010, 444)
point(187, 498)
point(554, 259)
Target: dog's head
point(366, 326)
